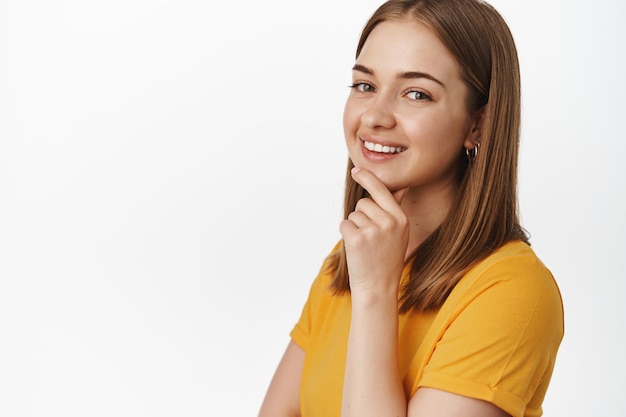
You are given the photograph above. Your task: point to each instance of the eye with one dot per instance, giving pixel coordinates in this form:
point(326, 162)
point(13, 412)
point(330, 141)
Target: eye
point(417, 95)
point(362, 87)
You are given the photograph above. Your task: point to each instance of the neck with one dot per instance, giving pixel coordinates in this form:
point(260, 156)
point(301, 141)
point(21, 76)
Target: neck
point(426, 210)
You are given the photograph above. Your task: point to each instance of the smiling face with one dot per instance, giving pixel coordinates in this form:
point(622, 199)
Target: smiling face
point(406, 118)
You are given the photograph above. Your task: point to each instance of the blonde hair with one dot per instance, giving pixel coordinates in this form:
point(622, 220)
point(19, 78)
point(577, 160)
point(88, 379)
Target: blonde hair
point(484, 215)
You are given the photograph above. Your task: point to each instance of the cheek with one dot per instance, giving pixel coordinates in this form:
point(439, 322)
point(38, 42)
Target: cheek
point(350, 119)
point(437, 128)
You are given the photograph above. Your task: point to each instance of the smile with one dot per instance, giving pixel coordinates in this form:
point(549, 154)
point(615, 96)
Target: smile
point(377, 147)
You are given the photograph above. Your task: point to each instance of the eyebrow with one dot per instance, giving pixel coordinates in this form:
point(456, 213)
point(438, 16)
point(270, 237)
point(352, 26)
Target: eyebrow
point(408, 75)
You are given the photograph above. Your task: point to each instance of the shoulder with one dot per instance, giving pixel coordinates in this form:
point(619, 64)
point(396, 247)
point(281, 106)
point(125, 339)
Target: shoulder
point(514, 265)
point(515, 252)
point(497, 335)
point(511, 284)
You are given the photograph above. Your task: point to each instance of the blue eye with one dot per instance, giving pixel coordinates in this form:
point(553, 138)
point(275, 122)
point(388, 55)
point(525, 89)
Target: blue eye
point(417, 95)
point(362, 87)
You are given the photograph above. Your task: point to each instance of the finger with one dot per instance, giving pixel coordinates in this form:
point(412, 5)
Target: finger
point(369, 207)
point(373, 213)
point(347, 230)
point(376, 189)
point(359, 219)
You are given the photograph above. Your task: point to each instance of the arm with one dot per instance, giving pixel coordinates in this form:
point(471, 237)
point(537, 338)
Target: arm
point(283, 395)
point(376, 238)
point(372, 384)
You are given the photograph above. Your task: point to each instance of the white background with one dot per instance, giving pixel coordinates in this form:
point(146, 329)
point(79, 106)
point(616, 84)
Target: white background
point(171, 176)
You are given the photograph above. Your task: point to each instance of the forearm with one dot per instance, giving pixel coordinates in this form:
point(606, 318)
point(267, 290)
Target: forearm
point(372, 383)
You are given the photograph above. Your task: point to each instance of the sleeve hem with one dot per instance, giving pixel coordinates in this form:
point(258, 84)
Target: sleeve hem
point(299, 337)
point(502, 399)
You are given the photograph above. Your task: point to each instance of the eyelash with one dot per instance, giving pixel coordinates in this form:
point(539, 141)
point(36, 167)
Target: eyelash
point(423, 94)
point(359, 85)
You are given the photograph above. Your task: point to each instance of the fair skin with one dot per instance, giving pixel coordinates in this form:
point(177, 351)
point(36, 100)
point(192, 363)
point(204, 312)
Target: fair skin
point(405, 123)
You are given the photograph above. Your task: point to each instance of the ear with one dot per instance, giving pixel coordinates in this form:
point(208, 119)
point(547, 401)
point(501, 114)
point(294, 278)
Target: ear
point(472, 139)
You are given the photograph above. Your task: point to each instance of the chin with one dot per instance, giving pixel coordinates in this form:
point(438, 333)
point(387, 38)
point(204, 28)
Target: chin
point(391, 183)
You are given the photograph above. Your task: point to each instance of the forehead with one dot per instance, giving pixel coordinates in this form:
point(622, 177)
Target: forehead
point(408, 45)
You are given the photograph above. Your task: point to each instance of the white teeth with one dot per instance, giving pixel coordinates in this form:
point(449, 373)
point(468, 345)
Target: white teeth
point(377, 147)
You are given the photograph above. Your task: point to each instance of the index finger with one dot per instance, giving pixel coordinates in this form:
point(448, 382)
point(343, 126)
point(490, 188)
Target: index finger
point(377, 190)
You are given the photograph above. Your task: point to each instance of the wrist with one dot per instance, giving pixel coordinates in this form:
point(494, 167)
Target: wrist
point(380, 298)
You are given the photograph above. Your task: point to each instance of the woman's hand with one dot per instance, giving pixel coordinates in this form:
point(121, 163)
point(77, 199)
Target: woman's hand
point(375, 236)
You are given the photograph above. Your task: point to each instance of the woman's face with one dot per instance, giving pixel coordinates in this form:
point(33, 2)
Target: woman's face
point(406, 118)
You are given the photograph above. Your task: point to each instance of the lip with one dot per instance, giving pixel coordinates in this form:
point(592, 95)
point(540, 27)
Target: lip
point(378, 156)
point(375, 139)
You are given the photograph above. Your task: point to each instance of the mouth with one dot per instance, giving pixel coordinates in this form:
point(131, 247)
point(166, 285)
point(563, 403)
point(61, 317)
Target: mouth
point(379, 148)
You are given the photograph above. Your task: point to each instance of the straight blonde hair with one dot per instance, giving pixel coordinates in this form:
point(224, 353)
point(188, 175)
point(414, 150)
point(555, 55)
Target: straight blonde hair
point(484, 215)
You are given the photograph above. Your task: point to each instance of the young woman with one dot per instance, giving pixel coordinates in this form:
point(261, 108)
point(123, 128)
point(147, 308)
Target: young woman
point(433, 304)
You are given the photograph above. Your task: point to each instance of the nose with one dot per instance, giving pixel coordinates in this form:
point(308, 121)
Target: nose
point(379, 113)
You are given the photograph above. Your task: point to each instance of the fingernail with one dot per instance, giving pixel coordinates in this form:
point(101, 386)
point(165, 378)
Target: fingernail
point(355, 170)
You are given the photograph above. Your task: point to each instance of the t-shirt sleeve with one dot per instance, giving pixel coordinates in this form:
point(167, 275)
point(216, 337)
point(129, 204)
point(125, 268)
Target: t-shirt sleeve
point(502, 338)
point(302, 330)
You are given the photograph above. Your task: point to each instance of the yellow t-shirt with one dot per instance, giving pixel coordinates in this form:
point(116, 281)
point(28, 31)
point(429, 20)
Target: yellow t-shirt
point(495, 338)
